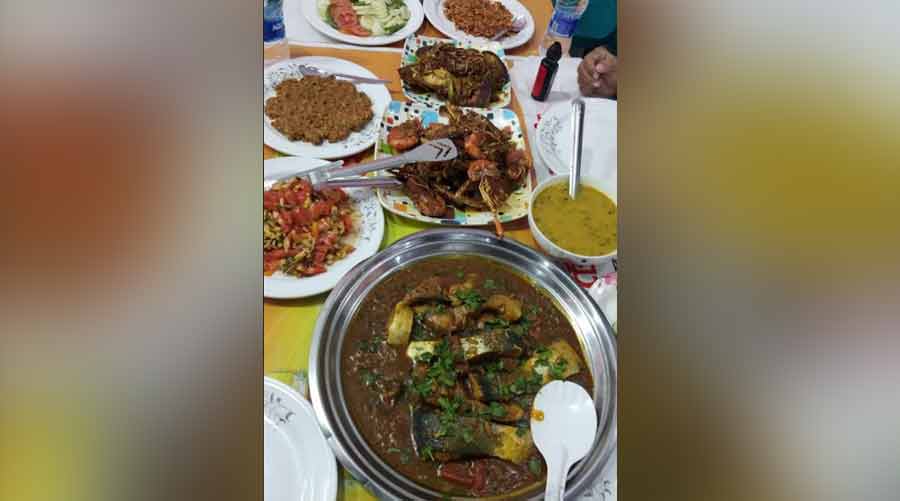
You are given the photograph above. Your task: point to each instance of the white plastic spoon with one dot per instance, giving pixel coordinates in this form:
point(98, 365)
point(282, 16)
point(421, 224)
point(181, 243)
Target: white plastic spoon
point(563, 425)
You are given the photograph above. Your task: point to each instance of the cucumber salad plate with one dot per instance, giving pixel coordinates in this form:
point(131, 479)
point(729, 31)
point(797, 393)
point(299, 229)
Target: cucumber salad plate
point(365, 22)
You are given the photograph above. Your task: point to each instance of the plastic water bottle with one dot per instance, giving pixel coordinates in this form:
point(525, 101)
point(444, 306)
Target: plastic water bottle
point(275, 46)
point(562, 24)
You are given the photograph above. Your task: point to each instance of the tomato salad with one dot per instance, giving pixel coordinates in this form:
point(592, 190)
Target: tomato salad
point(304, 230)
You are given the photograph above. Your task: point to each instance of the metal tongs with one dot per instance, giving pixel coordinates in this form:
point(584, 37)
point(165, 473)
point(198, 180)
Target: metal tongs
point(307, 71)
point(334, 175)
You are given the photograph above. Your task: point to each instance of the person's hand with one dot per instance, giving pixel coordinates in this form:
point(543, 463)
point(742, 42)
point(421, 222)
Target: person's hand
point(597, 74)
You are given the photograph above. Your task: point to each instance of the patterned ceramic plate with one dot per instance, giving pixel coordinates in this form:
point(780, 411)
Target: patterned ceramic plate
point(396, 201)
point(298, 465)
point(429, 98)
point(369, 224)
point(434, 11)
point(356, 141)
point(554, 136)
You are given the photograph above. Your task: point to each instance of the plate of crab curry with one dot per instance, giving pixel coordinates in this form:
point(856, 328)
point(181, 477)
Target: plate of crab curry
point(488, 183)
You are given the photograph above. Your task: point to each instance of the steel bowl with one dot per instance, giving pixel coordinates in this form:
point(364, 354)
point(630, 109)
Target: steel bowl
point(326, 390)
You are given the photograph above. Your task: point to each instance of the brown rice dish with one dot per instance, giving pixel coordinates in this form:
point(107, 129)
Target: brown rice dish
point(480, 18)
point(316, 109)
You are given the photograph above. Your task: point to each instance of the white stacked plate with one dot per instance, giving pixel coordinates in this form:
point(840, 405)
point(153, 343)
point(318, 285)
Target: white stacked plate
point(599, 152)
point(298, 465)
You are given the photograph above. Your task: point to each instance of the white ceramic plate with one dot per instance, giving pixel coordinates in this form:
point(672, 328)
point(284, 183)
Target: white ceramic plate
point(356, 141)
point(396, 201)
point(369, 222)
point(298, 465)
point(434, 11)
point(416, 16)
point(599, 153)
point(414, 43)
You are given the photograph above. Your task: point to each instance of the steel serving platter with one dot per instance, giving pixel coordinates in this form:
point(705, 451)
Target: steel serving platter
point(326, 390)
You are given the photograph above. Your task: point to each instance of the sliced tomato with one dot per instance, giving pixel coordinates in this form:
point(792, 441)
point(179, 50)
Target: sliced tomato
point(303, 189)
point(479, 474)
point(357, 30)
point(321, 209)
point(301, 216)
point(324, 244)
point(270, 267)
point(315, 269)
point(290, 198)
point(335, 195)
point(346, 19)
point(270, 200)
point(457, 473)
point(286, 220)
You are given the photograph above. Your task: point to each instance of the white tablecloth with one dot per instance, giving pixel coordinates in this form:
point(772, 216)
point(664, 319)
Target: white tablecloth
point(565, 89)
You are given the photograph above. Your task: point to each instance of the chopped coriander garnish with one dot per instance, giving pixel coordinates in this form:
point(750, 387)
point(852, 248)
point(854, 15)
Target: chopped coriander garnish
point(470, 298)
point(404, 454)
point(497, 323)
point(423, 388)
point(534, 466)
point(558, 368)
point(442, 368)
point(496, 410)
point(490, 284)
point(449, 416)
point(369, 378)
point(370, 345)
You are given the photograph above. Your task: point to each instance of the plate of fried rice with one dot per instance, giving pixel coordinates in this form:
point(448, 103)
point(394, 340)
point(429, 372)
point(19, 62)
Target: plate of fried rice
point(312, 238)
point(479, 21)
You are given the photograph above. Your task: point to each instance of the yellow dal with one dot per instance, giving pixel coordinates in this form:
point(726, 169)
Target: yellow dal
point(584, 226)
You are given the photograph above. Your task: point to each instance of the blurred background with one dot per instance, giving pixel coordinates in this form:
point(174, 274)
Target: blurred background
point(759, 172)
point(758, 321)
point(130, 304)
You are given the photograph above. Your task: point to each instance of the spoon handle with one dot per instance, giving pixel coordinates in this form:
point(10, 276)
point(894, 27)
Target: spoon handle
point(557, 468)
point(577, 144)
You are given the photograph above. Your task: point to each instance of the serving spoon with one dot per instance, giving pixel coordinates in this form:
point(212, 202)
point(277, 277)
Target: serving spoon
point(563, 426)
point(311, 71)
point(577, 144)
